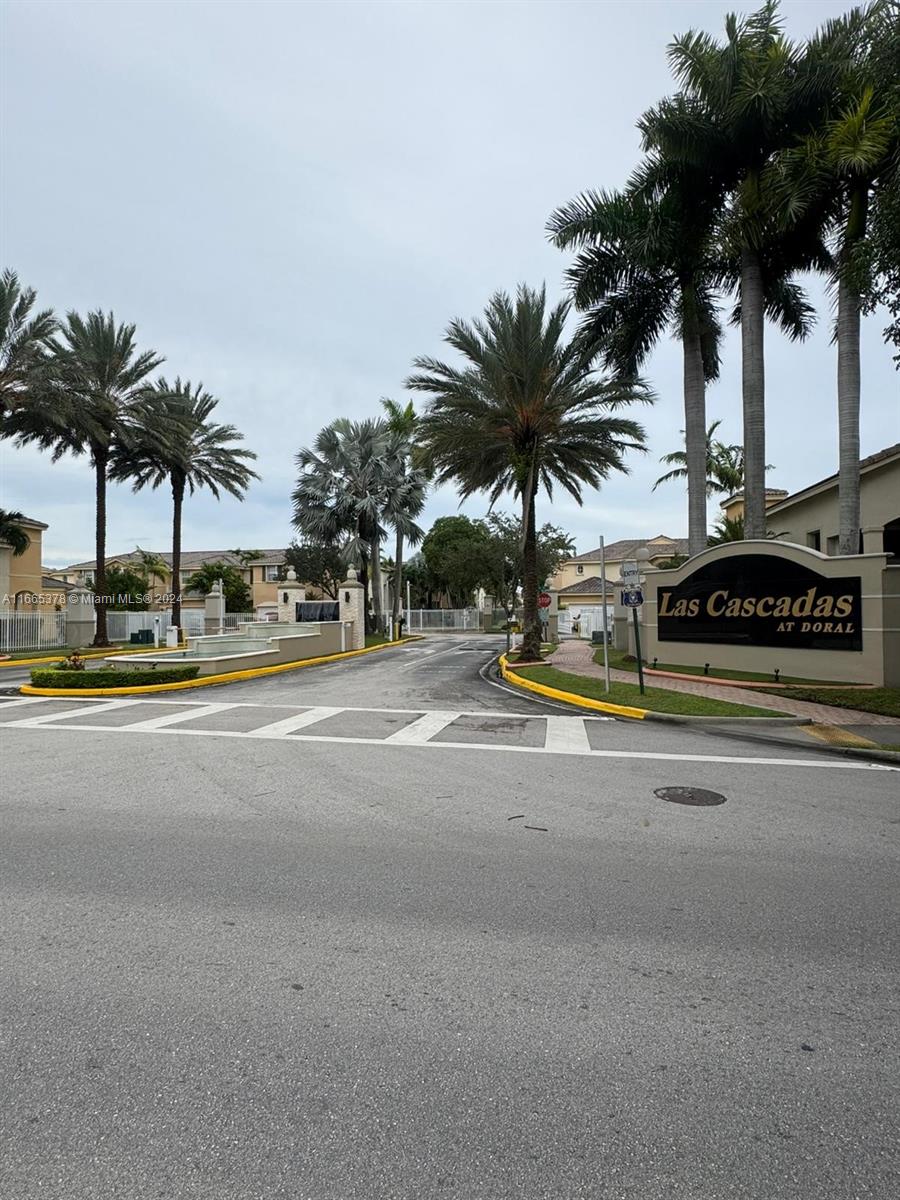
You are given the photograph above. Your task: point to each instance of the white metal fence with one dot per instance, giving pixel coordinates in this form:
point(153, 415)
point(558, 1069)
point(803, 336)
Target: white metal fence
point(31, 631)
point(584, 622)
point(432, 620)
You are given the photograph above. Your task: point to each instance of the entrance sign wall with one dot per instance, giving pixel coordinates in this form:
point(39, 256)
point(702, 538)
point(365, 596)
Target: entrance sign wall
point(762, 600)
point(761, 605)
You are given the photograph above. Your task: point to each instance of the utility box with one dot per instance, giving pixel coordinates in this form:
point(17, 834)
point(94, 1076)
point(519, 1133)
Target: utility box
point(172, 637)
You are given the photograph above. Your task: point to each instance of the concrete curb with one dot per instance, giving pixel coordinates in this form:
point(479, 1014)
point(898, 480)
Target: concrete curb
point(752, 722)
point(642, 714)
point(619, 710)
point(209, 680)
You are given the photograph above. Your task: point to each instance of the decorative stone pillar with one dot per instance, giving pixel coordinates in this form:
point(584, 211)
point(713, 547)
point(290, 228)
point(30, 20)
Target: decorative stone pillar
point(290, 594)
point(80, 618)
point(214, 618)
point(352, 599)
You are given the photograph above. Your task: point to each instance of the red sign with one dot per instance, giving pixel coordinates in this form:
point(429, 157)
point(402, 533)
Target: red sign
point(544, 600)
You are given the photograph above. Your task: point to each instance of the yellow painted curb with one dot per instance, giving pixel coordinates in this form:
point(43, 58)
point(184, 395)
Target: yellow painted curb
point(207, 681)
point(620, 710)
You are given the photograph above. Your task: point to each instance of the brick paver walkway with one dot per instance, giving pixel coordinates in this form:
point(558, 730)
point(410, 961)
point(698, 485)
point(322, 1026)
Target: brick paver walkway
point(577, 656)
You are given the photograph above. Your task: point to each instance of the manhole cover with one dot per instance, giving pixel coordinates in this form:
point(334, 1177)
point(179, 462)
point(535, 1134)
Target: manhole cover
point(686, 795)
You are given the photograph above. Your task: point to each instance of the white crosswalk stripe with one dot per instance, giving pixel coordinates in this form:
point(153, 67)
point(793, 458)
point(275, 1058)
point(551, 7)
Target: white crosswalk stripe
point(492, 730)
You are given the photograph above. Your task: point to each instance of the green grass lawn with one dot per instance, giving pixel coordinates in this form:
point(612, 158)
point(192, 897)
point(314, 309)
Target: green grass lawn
point(655, 699)
point(884, 701)
point(618, 660)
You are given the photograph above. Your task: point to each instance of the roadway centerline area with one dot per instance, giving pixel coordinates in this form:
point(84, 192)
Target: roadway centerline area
point(403, 728)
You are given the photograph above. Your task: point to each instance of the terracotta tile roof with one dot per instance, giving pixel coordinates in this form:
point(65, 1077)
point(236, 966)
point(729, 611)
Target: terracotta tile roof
point(592, 586)
point(190, 559)
point(659, 547)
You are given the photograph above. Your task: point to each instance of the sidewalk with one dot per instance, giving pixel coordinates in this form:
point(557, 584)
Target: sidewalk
point(576, 656)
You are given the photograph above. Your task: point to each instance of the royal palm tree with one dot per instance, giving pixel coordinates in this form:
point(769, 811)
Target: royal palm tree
point(406, 498)
point(744, 101)
point(647, 263)
point(340, 494)
point(174, 442)
point(13, 533)
point(24, 343)
point(98, 381)
point(525, 410)
point(837, 169)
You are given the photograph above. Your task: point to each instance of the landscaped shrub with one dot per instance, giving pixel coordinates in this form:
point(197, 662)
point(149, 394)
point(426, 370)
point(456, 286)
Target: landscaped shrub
point(109, 677)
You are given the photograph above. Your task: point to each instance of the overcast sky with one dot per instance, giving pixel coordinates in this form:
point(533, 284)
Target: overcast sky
point(291, 200)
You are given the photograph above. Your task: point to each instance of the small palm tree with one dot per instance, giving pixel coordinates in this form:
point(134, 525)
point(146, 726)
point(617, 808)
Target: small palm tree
point(525, 411)
point(97, 387)
point(152, 566)
point(24, 343)
point(724, 465)
point(13, 533)
point(174, 442)
point(344, 490)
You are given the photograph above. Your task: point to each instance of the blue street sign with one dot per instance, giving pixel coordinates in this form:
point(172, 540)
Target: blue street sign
point(632, 597)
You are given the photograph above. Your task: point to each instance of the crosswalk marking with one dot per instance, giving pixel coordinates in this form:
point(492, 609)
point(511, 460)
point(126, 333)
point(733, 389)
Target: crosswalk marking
point(566, 735)
point(422, 730)
point(204, 710)
point(52, 718)
point(297, 721)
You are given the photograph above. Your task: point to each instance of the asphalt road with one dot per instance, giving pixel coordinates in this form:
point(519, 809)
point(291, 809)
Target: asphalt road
point(332, 968)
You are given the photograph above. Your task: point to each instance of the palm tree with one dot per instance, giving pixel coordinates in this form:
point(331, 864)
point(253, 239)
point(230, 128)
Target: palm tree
point(646, 263)
point(152, 565)
point(525, 411)
point(13, 533)
point(406, 498)
point(175, 443)
point(744, 101)
point(24, 343)
point(837, 169)
point(98, 381)
point(724, 465)
point(340, 494)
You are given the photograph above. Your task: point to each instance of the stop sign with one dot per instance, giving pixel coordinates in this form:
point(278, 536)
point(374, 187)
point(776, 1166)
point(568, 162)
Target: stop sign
point(544, 600)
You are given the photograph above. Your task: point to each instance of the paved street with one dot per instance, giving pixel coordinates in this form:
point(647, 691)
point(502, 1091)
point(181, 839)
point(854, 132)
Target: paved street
point(384, 931)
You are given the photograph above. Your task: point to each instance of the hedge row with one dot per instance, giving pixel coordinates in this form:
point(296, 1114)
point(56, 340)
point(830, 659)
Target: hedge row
point(110, 678)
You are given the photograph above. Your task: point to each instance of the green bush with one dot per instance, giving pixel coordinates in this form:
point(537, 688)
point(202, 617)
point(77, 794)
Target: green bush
point(109, 677)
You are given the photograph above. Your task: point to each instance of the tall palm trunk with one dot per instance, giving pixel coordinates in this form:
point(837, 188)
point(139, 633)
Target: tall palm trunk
point(177, 503)
point(694, 421)
point(377, 597)
point(531, 641)
point(100, 455)
point(398, 578)
point(753, 381)
point(848, 384)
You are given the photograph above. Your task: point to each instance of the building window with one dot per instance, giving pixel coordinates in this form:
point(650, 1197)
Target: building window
point(271, 574)
point(87, 578)
point(831, 546)
point(579, 570)
point(814, 539)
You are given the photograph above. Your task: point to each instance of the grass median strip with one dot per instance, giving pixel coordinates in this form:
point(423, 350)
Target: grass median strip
point(629, 694)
